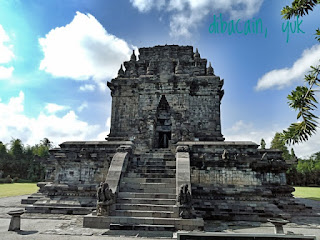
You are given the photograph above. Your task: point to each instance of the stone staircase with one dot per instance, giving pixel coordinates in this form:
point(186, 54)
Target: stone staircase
point(148, 191)
point(147, 197)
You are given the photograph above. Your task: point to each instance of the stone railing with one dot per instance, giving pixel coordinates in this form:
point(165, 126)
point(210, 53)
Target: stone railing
point(107, 191)
point(183, 181)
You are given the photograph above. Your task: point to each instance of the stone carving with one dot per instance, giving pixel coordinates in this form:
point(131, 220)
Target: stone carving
point(120, 72)
point(178, 69)
point(133, 57)
point(105, 198)
point(124, 148)
point(196, 57)
point(182, 149)
point(225, 155)
point(186, 135)
point(210, 70)
point(151, 68)
point(264, 157)
point(185, 202)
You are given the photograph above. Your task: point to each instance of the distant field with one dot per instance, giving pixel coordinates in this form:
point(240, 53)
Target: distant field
point(307, 192)
point(16, 189)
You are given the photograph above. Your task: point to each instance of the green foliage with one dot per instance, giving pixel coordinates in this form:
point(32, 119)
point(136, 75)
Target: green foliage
point(278, 143)
point(298, 8)
point(22, 162)
point(317, 37)
point(306, 172)
point(263, 144)
point(303, 98)
point(293, 155)
point(6, 180)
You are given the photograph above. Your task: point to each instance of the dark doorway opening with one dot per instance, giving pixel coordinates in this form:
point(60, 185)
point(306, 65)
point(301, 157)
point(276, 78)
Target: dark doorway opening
point(164, 138)
point(163, 124)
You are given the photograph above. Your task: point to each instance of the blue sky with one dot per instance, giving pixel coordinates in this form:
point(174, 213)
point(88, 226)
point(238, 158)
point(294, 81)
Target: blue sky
point(56, 57)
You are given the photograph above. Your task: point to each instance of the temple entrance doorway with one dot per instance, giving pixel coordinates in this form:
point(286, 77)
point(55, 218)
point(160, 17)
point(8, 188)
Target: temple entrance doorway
point(163, 127)
point(164, 138)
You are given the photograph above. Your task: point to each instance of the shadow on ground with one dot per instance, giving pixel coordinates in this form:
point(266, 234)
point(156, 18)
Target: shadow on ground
point(21, 232)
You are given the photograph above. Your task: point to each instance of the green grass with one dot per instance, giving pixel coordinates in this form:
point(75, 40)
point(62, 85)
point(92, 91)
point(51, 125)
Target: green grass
point(16, 189)
point(307, 192)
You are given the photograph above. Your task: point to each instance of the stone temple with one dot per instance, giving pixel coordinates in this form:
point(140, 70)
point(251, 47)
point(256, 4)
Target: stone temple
point(165, 163)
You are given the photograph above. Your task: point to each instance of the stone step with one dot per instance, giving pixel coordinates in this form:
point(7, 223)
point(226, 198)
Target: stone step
point(31, 199)
point(147, 185)
point(144, 213)
point(147, 190)
point(158, 201)
point(146, 207)
point(149, 175)
point(153, 170)
point(179, 223)
point(155, 159)
point(148, 180)
point(155, 166)
point(146, 195)
point(59, 209)
point(160, 162)
point(57, 202)
point(142, 227)
point(157, 153)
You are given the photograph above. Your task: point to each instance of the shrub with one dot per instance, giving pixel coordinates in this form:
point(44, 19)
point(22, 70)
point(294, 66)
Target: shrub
point(5, 180)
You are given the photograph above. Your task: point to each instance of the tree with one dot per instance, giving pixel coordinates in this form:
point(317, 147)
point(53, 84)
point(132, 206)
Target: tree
point(4, 157)
point(17, 164)
point(46, 142)
point(293, 155)
point(278, 143)
point(303, 97)
point(263, 144)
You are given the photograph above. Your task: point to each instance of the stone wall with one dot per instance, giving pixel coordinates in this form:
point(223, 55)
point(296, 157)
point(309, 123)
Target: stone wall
point(80, 162)
point(236, 180)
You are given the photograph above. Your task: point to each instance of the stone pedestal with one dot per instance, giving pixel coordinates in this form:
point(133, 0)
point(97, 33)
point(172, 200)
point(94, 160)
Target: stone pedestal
point(104, 208)
point(15, 220)
point(278, 224)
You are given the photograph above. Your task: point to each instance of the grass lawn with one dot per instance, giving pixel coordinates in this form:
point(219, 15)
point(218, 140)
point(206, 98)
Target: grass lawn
point(307, 192)
point(16, 189)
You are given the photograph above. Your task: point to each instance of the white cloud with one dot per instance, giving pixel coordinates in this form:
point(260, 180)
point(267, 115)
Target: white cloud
point(82, 106)
point(104, 134)
point(186, 15)
point(147, 5)
point(87, 88)
point(15, 124)
point(53, 108)
point(309, 147)
point(241, 131)
point(5, 48)
point(6, 54)
point(5, 72)
point(286, 76)
point(83, 50)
